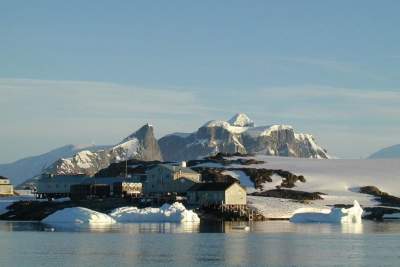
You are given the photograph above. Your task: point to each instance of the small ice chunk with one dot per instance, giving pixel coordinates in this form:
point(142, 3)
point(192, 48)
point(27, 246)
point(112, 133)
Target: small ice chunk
point(336, 215)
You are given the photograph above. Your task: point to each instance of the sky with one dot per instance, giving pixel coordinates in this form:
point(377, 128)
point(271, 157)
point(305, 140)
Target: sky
point(84, 72)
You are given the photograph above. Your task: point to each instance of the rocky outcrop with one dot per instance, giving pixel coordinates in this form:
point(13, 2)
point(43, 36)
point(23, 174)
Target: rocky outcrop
point(289, 194)
point(238, 135)
point(140, 145)
point(383, 197)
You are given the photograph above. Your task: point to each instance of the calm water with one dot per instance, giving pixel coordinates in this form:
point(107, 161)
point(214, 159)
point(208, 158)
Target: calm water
point(266, 244)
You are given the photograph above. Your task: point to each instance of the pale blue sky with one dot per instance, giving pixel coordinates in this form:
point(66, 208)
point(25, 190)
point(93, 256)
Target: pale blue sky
point(94, 71)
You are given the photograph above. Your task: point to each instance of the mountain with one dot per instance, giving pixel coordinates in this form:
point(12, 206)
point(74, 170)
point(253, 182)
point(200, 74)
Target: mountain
point(239, 134)
point(387, 153)
point(25, 168)
point(140, 145)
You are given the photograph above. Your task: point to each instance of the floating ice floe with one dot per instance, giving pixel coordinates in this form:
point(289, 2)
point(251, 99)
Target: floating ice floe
point(78, 215)
point(166, 213)
point(335, 215)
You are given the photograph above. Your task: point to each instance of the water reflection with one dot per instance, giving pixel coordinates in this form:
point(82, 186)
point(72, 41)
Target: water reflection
point(270, 227)
point(273, 243)
point(352, 228)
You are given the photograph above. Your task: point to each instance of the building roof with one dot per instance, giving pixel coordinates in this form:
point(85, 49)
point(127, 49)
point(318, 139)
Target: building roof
point(107, 180)
point(174, 168)
point(62, 179)
point(211, 186)
point(3, 178)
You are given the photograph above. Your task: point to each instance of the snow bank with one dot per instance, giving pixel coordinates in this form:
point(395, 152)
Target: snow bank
point(78, 215)
point(166, 213)
point(335, 215)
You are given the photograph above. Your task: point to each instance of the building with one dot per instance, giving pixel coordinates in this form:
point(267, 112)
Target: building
point(119, 186)
point(166, 178)
point(127, 189)
point(49, 185)
point(206, 194)
point(6, 188)
point(55, 186)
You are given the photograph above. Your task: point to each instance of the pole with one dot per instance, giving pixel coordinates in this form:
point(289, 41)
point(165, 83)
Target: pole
point(126, 169)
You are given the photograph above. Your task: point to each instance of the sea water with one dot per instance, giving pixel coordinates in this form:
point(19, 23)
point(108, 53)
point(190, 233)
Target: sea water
point(276, 243)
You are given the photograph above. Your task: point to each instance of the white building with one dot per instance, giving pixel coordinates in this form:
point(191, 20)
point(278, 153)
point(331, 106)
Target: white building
point(6, 188)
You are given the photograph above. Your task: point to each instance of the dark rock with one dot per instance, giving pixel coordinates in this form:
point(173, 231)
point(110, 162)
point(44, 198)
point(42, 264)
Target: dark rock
point(289, 194)
point(214, 175)
point(260, 176)
point(383, 197)
point(377, 213)
point(372, 190)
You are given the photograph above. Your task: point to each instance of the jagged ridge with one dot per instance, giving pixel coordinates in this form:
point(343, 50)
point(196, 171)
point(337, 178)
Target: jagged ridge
point(239, 135)
point(140, 145)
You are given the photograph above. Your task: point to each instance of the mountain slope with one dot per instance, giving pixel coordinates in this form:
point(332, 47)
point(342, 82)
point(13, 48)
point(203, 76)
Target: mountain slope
point(239, 135)
point(25, 168)
point(387, 153)
point(139, 145)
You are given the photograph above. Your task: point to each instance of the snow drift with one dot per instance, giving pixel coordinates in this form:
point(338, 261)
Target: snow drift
point(166, 213)
point(335, 215)
point(78, 215)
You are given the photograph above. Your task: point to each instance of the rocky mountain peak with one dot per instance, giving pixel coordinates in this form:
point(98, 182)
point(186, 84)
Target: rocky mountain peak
point(241, 120)
point(141, 145)
point(238, 135)
point(146, 131)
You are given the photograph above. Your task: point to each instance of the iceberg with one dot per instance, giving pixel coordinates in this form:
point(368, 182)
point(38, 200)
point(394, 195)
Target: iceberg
point(166, 213)
point(335, 215)
point(78, 215)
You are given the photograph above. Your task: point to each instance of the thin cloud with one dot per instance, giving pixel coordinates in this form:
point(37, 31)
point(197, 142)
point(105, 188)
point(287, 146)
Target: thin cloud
point(54, 113)
point(90, 99)
point(335, 66)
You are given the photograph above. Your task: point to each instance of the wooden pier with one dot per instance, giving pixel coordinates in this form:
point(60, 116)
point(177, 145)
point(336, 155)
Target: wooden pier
point(234, 212)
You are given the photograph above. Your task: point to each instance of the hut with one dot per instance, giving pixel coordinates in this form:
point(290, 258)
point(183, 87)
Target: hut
point(216, 194)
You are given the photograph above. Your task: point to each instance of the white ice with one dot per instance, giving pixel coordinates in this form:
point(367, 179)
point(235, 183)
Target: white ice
point(335, 215)
point(78, 215)
point(166, 213)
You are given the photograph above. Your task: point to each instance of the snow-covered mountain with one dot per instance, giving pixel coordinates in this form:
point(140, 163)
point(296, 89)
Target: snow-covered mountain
point(139, 145)
point(240, 135)
point(387, 153)
point(25, 168)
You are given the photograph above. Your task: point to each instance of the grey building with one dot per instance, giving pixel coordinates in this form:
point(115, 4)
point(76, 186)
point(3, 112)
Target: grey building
point(166, 178)
point(50, 185)
point(206, 194)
